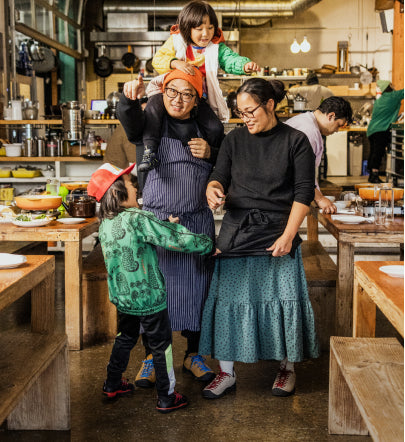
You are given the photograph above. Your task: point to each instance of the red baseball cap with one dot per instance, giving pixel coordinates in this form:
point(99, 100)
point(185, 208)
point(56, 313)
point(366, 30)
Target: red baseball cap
point(103, 177)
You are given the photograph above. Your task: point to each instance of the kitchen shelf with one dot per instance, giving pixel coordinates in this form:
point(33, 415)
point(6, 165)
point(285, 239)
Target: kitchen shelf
point(36, 122)
point(48, 159)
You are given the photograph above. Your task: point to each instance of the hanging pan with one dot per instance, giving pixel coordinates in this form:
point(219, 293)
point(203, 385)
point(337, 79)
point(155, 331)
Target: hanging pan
point(131, 61)
point(103, 66)
point(47, 63)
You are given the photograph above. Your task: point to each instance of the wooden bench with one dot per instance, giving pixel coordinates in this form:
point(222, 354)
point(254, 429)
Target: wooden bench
point(321, 274)
point(34, 375)
point(99, 314)
point(366, 388)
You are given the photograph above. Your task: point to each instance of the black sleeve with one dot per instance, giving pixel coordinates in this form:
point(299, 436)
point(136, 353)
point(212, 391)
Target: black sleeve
point(223, 165)
point(211, 127)
point(303, 160)
point(131, 116)
point(154, 112)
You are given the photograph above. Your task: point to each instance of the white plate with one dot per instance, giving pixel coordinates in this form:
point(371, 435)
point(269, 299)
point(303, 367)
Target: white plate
point(71, 220)
point(349, 219)
point(394, 271)
point(32, 223)
point(9, 261)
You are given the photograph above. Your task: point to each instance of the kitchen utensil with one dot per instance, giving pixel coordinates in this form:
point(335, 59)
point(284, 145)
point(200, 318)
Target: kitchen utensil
point(29, 147)
point(396, 271)
point(103, 66)
point(75, 185)
point(46, 64)
point(80, 205)
point(16, 109)
point(299, 103)
point(349, 219)
point(38, 202)
point(24, 173)
point(369, 193)
point(130, 60)
point(32, 223)
point(149, 66)
point(72, 113)
point(71, 220)
point(13, 150)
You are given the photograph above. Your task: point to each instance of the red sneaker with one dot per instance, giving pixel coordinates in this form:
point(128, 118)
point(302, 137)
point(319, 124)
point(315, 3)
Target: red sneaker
point(125, 388)
point(171, 403)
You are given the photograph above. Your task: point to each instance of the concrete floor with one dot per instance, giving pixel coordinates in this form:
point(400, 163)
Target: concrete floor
point(249, 414)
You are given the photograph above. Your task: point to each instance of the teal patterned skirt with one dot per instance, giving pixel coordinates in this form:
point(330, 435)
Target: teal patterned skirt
point(258, 308)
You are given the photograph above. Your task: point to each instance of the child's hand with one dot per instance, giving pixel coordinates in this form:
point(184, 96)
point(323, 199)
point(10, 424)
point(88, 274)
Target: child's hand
point(174, 219)
point(217, 252)
point(134, 89)
point(199, 148)
point(251, 67)
point(181, 65)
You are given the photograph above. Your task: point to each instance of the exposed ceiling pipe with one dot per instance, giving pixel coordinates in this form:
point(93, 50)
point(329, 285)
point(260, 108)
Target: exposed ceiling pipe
point(243, 9)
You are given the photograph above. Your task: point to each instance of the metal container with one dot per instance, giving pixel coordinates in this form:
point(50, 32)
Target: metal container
point(41, 147)
point(72, 119)
point(30, 147)
point(51, 148)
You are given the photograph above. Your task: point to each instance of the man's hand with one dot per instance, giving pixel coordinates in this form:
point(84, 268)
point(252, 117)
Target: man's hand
point(181, 65)
point(174, 219)
point(251, 67)
point(214, 197)
point(199, 148)
point(134, 89)
point(326, 205)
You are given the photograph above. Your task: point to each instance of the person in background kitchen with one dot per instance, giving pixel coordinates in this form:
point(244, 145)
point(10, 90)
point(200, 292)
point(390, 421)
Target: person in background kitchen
point(258, 305)
point(177, 187)
point(196, 40)
point(313, 92)
point(385, 112)
point(332, 113)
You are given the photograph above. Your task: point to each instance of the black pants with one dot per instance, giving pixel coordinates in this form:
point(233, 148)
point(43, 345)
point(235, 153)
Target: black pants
point(193, 340)
point(155, 111)
point(159, 335)
point(378, 142)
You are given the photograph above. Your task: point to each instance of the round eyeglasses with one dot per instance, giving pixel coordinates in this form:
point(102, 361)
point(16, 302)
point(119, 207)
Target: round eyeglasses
point(247, 114)
point(184, 96)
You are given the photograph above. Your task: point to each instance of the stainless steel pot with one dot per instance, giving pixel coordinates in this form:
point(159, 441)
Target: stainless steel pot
point(72, 115)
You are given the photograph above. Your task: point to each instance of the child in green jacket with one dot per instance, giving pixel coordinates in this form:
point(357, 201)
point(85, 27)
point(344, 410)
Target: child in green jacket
point(128, 237)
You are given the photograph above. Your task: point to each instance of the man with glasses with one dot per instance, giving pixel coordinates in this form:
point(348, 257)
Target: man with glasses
point(332, 114)
point(177, 187)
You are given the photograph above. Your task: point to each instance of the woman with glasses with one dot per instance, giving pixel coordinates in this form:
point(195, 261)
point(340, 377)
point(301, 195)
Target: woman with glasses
point(177, 187)
point(258, 305)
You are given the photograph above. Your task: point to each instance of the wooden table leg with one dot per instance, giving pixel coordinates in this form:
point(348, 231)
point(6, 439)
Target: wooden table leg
point(312, 228)
point(344, 289)
point(364, 312)
point(73, 294)
point(43, 306)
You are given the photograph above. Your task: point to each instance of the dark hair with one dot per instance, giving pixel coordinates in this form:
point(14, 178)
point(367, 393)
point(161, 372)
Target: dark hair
point(116, 194)
point(339, 106)
point(312, 78)
point(192, 15)
point(263, 90)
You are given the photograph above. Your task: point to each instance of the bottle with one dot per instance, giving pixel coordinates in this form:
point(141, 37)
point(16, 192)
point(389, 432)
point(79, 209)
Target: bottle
point(91, 144)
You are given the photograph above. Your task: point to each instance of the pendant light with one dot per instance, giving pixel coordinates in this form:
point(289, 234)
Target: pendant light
point(305, 46)
point(295, 47)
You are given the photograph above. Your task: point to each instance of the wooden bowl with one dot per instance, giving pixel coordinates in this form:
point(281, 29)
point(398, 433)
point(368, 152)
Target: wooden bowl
point(38, 202)
point(75, 185)
point(367, 193)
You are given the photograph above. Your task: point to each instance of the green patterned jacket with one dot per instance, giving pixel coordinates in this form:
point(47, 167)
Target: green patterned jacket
point(136, 285)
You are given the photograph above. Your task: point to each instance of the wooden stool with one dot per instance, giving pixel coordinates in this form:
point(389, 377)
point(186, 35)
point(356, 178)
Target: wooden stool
point(366, 388)
point(321, 274)
point(99, 314)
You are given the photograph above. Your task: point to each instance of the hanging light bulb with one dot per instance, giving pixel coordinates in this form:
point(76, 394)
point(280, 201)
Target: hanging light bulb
point(305, 45)
point(295, 47)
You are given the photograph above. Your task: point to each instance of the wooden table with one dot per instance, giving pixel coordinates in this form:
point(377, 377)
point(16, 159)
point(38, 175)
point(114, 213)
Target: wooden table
point(347, 235)
point(34, 375)
point(72, 236)
point(373, 288)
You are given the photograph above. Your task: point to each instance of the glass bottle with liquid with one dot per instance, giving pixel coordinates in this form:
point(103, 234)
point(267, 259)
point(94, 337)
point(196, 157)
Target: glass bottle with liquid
point(91, 144)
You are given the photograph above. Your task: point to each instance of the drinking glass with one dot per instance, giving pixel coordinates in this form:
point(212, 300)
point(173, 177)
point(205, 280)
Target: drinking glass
point(379, 214)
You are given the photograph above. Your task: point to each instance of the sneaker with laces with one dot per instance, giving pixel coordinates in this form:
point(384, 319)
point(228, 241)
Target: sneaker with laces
point(146, 377)
point(284, 384)
point(222, 384)
point(125, 388)
point(171, 403)
point(195, 364)
point(149, 159)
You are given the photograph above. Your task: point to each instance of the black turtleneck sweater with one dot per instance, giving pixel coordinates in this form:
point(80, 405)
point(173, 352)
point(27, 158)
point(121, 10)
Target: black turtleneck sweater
point(266, 171)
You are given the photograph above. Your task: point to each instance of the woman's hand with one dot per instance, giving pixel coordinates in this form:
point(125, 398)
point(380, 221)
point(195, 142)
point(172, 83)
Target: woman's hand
point(134, 89)
point(214, 197)
point(282, 246)
point(199, 148)
point(174, 219)
point(326, 205)
point(181, 65)
point(251, 67)
point(217, 252)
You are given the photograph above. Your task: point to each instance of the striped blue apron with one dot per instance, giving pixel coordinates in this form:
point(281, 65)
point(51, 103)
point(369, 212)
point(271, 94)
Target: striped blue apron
point(177, 187)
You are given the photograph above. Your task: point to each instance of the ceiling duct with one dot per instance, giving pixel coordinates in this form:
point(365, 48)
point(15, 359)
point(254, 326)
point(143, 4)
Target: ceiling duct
point(243, 9)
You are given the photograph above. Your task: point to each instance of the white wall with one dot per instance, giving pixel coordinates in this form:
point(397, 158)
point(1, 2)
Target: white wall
point(326, 23)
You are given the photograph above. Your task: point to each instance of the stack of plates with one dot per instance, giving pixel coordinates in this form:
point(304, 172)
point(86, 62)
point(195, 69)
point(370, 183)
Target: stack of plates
point(9, 261)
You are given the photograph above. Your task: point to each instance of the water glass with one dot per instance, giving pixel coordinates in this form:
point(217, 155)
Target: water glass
point(379, 214)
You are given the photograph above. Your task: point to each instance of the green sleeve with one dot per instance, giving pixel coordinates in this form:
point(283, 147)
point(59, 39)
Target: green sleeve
point(170, 236)
point(231, 62)
point(398, 95)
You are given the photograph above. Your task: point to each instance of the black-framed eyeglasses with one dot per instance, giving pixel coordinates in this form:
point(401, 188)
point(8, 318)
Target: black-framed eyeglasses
point(185, 96)
point(247, 114)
